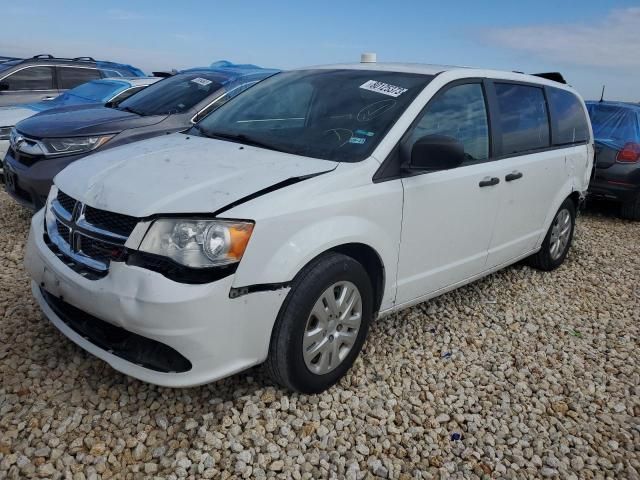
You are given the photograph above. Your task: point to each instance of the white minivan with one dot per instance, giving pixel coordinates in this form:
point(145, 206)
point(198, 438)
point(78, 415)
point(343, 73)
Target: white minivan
point(277, 228)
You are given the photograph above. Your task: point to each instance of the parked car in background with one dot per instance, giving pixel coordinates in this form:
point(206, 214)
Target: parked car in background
point(108, 90)
point(279, 226)
point(42, 145)
point(44, 77)
point(616, 128)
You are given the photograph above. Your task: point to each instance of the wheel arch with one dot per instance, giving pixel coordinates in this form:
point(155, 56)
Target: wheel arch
point(372, 263)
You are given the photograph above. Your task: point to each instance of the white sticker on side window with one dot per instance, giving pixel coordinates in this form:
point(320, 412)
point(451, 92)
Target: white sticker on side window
point(383, 88)
point(201, 81)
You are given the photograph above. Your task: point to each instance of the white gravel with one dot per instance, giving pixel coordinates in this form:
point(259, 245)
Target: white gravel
point(523, 374)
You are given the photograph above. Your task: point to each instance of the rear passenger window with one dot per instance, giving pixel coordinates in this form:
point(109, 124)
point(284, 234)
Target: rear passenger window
point(72, 77)
point(523, 118)
point(458, 113)
point(31, 78)
point(570, 121)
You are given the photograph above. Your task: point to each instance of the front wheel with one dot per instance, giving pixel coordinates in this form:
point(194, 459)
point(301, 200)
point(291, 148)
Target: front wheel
point(322, 324)
point(558, 239)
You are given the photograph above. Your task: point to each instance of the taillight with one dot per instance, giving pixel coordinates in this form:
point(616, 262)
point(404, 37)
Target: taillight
point(630, 153)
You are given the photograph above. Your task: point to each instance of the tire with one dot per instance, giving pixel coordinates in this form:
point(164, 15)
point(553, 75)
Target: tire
point(631, 210)
point(294, 328)
point(550, 256)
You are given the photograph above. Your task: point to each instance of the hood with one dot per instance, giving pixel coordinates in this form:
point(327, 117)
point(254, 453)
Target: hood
point(81, 120)
point(9, 116)
point(179, 174)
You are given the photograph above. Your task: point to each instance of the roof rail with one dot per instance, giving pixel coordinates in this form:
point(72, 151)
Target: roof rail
point(554, 76)
point(47, 56)
point(8, 59)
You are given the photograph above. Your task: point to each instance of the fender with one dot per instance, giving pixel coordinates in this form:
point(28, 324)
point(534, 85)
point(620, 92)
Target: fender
point(280, 266)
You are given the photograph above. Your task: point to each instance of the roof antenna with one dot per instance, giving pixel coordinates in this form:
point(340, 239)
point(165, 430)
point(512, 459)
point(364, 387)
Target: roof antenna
point(602, 95)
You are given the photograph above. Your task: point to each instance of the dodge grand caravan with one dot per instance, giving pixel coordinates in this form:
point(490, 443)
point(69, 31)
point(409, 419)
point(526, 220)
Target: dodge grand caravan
point(281, 225)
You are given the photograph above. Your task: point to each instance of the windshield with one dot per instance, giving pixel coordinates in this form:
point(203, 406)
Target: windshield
point(615, 124)
point(98, 91)
point(338, 115)
point(175, 94)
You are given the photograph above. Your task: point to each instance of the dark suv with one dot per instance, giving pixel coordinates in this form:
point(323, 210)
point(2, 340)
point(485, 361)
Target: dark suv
point(44, 77)
point(44, 144)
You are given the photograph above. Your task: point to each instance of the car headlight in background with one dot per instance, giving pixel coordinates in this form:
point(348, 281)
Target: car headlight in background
point(73, 145)
point(5, 133)
point(198, 243)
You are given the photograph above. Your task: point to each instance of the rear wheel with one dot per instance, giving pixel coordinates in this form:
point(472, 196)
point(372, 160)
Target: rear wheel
point(631, 210)
point(322, 324)
point(557, 242)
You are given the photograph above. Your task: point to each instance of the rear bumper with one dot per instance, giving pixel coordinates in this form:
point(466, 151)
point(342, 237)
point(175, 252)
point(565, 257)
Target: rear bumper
point(619, 182)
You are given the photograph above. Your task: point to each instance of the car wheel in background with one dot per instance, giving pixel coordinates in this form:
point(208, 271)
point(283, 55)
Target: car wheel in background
point(322, 324)
point(631, 210)
point(557, 242)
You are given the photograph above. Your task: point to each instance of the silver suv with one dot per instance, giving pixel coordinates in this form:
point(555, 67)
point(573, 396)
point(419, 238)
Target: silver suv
point(44, 77)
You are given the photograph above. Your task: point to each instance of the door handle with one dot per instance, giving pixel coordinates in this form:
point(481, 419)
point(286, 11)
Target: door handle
point(489, 181)
point(513, 176)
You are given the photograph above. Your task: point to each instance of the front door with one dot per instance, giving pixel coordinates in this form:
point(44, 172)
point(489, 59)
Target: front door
point(449, 216)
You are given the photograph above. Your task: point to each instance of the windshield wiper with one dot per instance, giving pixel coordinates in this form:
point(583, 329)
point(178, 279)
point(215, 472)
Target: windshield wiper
point(239, 138)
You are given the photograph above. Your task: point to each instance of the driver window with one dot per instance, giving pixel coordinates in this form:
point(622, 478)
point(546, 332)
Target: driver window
point(459, 113)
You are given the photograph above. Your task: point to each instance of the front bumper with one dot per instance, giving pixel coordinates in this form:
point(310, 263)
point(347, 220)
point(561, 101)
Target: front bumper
point(32, 182)
point(219, 336)
point(4, 146)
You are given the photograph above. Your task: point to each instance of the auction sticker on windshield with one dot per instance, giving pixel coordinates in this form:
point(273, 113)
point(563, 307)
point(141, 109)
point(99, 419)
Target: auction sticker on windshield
point(383, 88)
point(201, 81)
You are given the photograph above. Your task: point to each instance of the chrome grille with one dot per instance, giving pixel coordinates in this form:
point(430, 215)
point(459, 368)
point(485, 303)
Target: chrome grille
point(85, 235)
point(66, 201)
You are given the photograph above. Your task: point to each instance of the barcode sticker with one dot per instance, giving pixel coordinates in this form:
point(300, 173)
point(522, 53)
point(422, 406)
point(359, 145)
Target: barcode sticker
point(201, 81)
point(383, 88)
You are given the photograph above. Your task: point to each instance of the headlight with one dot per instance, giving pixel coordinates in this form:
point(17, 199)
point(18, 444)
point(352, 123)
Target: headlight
point(5, 133)
point(67, 146)
point(198, 243)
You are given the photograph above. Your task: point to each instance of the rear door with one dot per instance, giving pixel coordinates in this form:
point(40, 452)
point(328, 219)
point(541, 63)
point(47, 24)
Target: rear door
point(532, 171)
point(70, 77)
point(28, 84)
point(449, 216)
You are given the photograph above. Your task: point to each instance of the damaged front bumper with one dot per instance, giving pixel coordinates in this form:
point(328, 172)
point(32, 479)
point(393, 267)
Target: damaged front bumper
point(150, 327)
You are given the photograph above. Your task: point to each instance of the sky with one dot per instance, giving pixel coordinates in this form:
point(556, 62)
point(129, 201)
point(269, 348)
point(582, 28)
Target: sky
point(591, 42)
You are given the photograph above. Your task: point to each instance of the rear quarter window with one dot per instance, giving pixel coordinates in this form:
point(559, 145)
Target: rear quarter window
point(569, 118)
point(523, 118)
point(70, 77)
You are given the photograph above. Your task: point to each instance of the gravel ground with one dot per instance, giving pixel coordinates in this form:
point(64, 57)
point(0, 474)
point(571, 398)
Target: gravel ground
point(522, 374)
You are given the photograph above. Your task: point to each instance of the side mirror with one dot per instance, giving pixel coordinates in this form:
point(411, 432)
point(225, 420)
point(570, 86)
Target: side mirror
point(435, 152)
point(4, 87)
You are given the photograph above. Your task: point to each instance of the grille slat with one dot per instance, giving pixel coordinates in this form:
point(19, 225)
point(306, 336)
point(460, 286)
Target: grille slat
point(78, 235)
point(111, 222)
point(66, 201)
